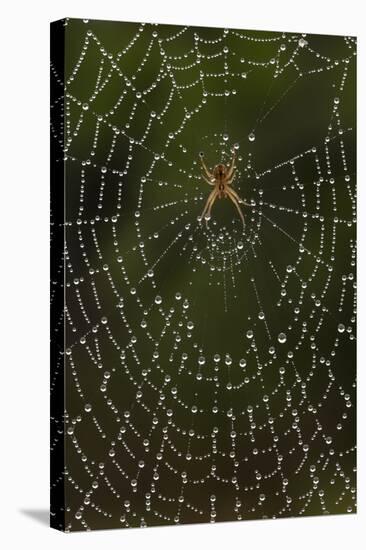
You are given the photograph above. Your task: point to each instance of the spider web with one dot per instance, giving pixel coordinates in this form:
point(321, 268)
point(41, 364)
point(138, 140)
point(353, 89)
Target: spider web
point(209, 368)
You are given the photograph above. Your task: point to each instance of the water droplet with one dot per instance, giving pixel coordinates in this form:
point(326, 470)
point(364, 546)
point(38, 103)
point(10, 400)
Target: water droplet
point(158, 300)
point(85, 106)
point(251, 136)
point(341, 328)
point(282, 337)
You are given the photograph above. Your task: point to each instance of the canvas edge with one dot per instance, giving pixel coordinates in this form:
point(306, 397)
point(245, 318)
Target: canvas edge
point(57, 273)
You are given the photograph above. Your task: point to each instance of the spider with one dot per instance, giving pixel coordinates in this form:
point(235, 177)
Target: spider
point(221, 179)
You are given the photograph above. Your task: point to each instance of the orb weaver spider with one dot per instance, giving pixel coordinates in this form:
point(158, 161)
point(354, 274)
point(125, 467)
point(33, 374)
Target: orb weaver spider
point(221, 179)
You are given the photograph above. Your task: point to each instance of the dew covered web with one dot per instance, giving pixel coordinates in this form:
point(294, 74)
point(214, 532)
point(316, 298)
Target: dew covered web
point(210, 367)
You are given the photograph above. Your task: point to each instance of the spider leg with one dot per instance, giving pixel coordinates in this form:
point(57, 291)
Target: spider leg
point(208, 213)
point(232, 166)
point(233, 198)
point(210, 200)
point(235, 194)
point(231, 179)
point(208, 181)
point(208, 173)
point(239, 199)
